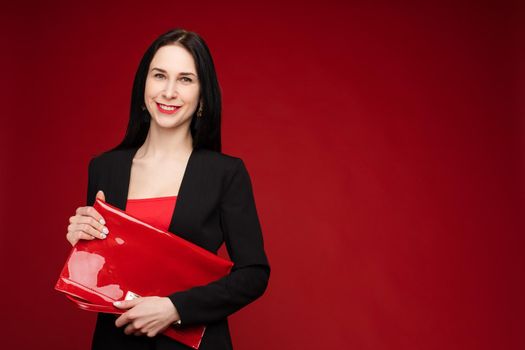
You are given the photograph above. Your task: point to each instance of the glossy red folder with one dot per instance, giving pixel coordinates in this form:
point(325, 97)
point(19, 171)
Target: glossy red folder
point(137, 259)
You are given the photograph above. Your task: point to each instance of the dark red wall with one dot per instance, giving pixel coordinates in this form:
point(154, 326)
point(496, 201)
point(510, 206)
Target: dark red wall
point(385, 144)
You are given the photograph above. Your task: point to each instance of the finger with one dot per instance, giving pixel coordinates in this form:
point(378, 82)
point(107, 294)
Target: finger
point(87, 228)
point(122, 320)
point(74, 237)
point(149, 327)
point(82, 235)
point(151, 334)
point(90, 211)
point(126, 304)
point(143, 328)
point(130, 329)
point(152, 330)
point(100, 195)
point(81, 219)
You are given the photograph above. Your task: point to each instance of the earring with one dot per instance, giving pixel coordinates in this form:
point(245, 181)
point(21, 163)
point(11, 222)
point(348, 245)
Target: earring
point(145, 115)
point(199, 112)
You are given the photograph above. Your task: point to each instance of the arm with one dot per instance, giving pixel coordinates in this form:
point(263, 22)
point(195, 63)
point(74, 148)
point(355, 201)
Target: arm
point(249, 276)
point(92, 184)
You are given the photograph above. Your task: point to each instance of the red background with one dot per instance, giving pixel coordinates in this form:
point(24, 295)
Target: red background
point(384, 141)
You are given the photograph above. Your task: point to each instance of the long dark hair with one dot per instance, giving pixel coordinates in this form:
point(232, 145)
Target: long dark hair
point(206, 129)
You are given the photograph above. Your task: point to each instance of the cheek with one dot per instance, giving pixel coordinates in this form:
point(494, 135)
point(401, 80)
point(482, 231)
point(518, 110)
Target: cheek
point(190, 95)
point(147, 91)
point(151, 89)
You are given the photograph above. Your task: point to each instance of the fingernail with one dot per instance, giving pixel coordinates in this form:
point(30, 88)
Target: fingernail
point(102, 221)
point(116, 303)
point(105, 230)
point(103, 236)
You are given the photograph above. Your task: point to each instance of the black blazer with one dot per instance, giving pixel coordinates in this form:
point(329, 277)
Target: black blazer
point(215, 204)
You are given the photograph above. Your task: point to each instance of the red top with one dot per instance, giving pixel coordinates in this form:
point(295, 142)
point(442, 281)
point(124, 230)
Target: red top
point(156, 211)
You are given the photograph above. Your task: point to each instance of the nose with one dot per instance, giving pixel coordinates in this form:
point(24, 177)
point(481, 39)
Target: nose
point(170, 90)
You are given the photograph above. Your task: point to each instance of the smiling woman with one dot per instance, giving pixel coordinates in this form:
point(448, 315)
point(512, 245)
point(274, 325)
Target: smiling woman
point(170, 169)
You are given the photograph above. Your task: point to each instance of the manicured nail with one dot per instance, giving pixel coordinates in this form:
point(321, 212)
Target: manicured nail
point(105, 230)
point(102, 221)
point(116, 303)
point(103, 236)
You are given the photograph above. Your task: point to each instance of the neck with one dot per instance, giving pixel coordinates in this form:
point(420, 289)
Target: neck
point(166, 144)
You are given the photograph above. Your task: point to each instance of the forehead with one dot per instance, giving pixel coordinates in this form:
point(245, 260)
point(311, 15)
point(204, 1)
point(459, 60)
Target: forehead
point(173, 58)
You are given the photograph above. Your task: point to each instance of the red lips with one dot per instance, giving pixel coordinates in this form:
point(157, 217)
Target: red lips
point(165, 111)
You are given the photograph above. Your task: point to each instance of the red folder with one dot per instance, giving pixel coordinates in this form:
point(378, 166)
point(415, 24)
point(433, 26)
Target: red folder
point(137, 259)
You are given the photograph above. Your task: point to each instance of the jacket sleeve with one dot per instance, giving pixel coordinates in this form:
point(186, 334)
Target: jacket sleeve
point(250, 273)
point(92, 183)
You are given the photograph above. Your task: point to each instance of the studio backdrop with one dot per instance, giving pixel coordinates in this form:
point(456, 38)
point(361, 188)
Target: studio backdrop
point(384, 142)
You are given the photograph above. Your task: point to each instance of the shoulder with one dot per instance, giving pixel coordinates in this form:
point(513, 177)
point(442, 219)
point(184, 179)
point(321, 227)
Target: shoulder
point(224, 166)
point(222, 163)
point(218, 158)
point(109, 159)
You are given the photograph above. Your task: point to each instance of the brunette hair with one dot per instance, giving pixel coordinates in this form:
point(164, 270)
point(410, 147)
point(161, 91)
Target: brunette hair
point(206, 129)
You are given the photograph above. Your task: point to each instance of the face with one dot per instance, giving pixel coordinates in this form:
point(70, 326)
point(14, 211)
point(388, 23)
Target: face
point(172, 87)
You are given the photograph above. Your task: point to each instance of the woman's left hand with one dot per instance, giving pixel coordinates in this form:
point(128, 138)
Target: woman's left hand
point(147, 316)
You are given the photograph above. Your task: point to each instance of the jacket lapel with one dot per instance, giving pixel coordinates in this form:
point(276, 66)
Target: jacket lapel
point(185, 199)
point(122, 176)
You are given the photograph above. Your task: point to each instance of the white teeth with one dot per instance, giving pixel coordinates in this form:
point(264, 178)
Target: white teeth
point(166, 108)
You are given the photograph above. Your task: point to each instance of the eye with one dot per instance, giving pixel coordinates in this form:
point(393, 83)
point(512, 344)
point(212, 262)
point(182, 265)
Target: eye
point(187, 79)
point(158, 75)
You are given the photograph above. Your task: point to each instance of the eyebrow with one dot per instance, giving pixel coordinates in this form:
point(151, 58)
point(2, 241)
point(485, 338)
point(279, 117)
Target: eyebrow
point(164, 71)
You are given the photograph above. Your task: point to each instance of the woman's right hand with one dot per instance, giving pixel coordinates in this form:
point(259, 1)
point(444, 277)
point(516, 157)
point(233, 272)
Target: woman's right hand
point(87, 223)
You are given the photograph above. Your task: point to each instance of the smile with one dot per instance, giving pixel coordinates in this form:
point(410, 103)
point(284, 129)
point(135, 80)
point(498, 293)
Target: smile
point(166, 109)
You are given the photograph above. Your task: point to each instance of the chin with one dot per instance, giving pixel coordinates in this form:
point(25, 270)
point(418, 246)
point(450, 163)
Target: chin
point(166, 125)
point(165, 122)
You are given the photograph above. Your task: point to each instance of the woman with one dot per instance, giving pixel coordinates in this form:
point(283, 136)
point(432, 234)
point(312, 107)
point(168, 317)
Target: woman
point(169, 170)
